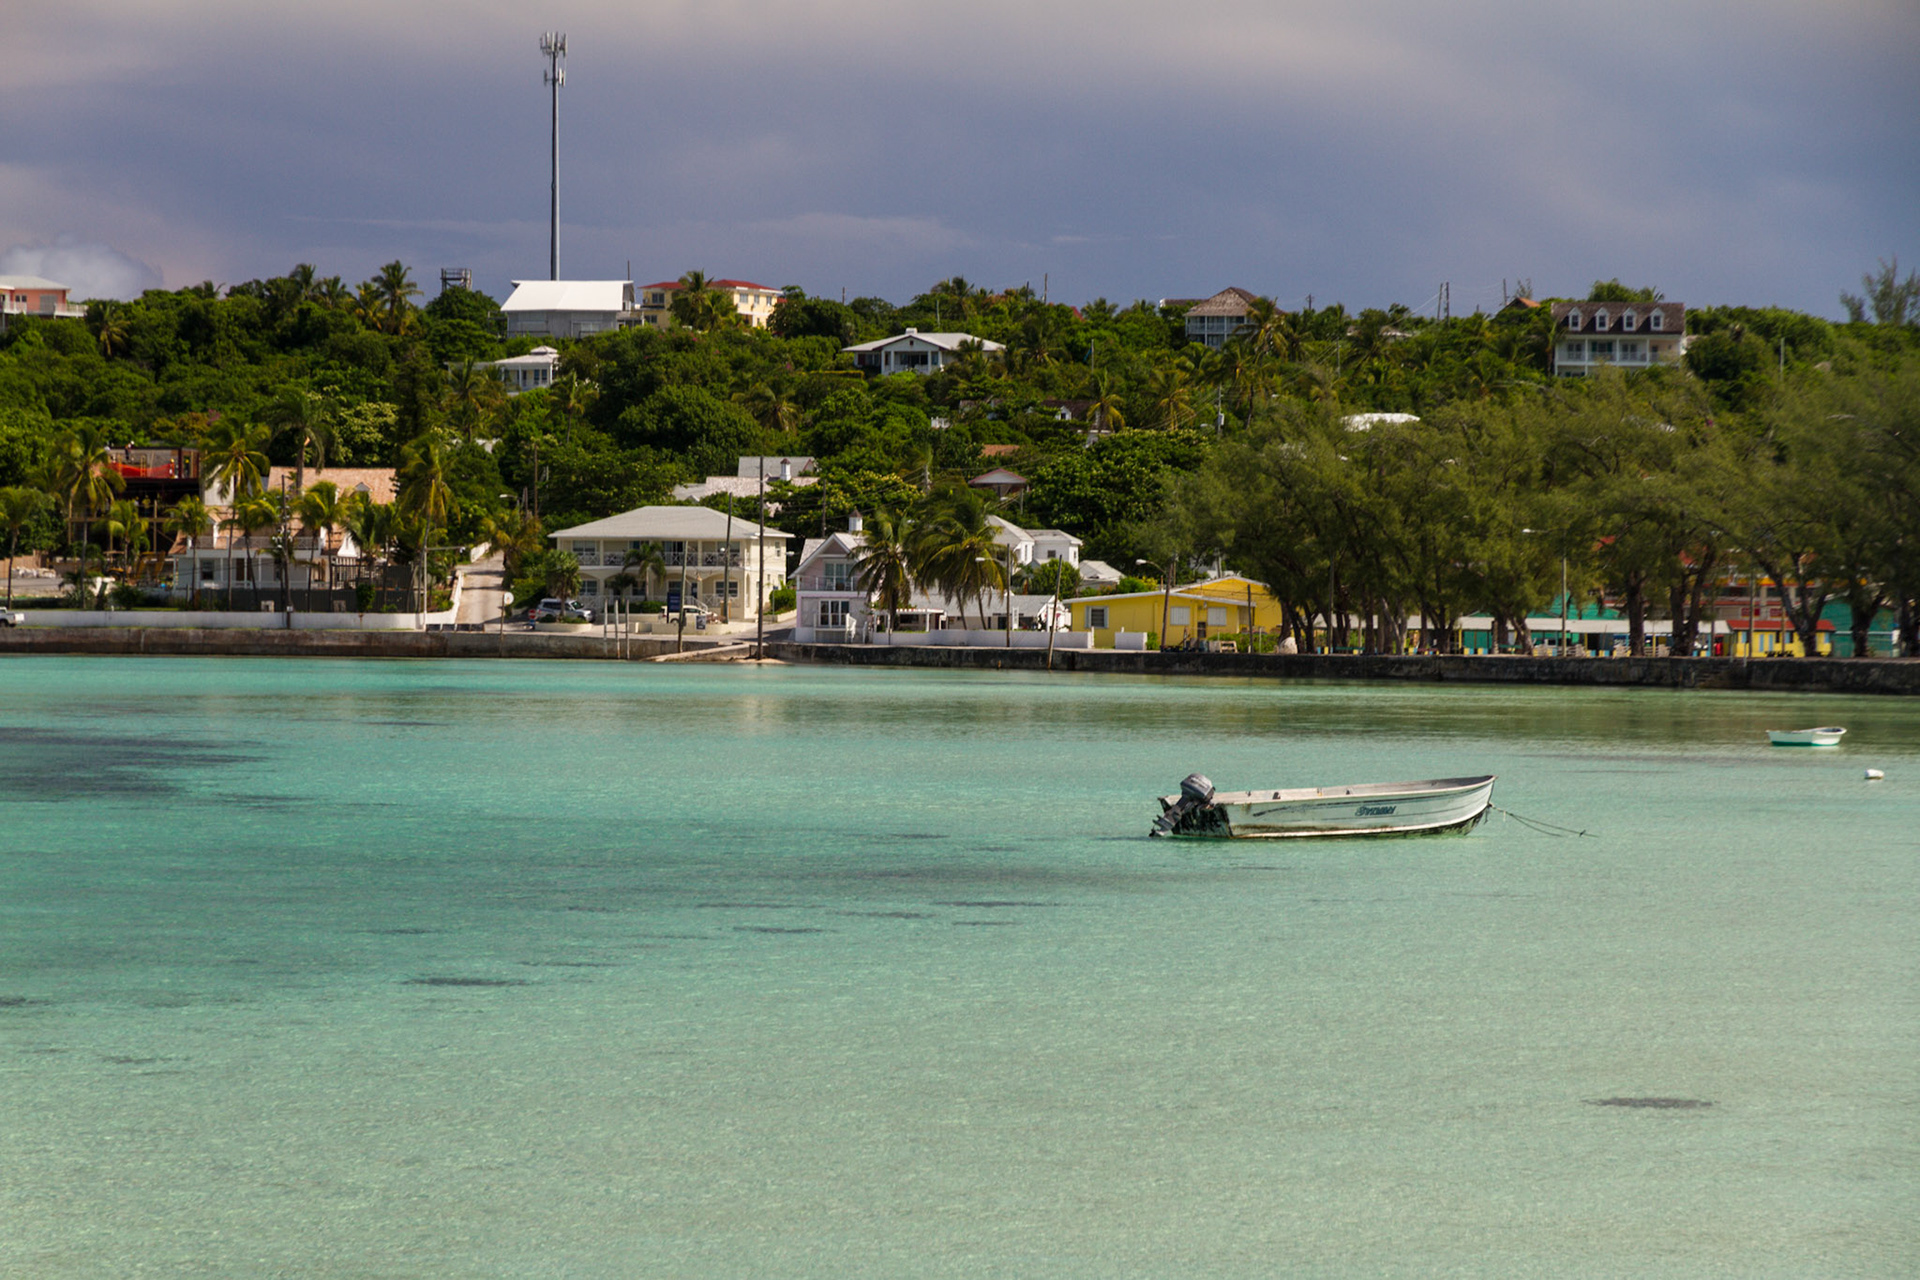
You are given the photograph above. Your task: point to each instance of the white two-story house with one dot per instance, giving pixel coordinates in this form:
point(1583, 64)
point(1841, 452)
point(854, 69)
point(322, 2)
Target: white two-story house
point(705, 558)
point(832, 606)
point(1628, 335)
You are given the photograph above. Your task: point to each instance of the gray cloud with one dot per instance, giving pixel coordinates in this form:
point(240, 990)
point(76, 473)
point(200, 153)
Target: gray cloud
point(88, 270)
point(1755, 152)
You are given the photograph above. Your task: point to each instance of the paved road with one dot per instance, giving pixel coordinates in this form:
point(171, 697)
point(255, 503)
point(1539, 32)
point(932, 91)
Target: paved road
point(485, 590)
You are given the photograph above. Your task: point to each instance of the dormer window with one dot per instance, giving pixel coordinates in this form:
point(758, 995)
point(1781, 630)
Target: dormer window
point(1657, 321)
point(1600, 320)
point(1573, 319)
point(1627, 322)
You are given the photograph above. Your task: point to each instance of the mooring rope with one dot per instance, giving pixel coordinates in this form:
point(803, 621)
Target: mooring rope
point(1544, 828)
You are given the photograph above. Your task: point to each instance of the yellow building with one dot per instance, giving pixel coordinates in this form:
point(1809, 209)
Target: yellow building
point(1216, 607)
point(753, 302)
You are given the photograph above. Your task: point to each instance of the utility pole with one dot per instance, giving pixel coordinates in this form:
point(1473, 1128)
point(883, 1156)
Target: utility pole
point(554, 45)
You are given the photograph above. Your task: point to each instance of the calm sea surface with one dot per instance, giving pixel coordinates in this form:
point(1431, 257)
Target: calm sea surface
point(567, 969)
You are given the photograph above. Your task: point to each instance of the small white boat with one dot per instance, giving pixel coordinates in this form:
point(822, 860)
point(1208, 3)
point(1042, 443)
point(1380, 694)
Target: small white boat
point(1368, 809)
point(1827, 737)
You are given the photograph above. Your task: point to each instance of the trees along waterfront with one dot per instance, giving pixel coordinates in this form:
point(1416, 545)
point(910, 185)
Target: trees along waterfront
point(19, 508)
point(1422, 517)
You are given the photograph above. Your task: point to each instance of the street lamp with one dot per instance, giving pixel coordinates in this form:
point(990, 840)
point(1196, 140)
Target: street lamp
point(1562, 652)
point(1166, 602)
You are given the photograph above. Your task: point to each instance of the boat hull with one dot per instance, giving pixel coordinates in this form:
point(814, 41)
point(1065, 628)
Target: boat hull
point(1826, 737)
point(1372, 809)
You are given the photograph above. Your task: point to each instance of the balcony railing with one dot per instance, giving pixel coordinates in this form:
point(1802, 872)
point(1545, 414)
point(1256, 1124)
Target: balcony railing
point(700, 559)
point(826, 584)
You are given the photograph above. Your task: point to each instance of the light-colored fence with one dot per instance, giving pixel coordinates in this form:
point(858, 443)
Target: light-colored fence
point(976, 639)
point(232, 621)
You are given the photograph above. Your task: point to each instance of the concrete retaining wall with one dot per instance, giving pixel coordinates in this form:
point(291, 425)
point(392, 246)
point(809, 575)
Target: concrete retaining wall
point(328, 644)
point(1810, 675)
point(1801, 675)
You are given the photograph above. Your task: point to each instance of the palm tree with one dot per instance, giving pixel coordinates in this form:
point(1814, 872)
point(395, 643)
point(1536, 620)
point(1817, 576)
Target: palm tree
point(237, 458)
point(515, 534)
point(643, 562)
point(474, 395)
point(884, 567)
point(19, 507)
point(309, 416)
point(768, 407)
point(322, 509)
point(191, 520)
point(424, 496)
point(109, 321)
point(956, 550)
point(395, 289)
point(1106, 412)
point(1170, 395)
point(366, 304)
point(374, 525)
point(252, 515)
point(573, 395)
point(82, 472)
point(124, 519)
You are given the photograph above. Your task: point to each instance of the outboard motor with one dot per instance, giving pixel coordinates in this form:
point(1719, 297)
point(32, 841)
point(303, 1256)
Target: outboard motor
point(1196, 792)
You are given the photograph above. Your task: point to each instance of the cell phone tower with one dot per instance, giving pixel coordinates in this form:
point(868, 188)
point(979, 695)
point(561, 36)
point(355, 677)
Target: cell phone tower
point(554, 45)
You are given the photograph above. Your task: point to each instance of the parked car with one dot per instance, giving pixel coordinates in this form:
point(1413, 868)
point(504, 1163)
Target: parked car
point(556, 610)
point(13, 619)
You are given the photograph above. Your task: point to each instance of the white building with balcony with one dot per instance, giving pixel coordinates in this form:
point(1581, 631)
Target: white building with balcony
point(529, 372)
point(833, 607)
point(913, 352)
point(705, 558)
point(1627, 335)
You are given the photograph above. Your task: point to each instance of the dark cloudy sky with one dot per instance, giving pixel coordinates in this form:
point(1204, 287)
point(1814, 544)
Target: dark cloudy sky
point(1758, 152)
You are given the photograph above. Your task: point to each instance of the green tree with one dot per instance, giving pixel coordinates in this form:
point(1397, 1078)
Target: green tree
point(19, 508)
point(884, 563)
point(189, 518)
point(1892, 300)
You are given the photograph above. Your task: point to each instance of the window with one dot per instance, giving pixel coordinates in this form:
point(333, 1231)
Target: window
point(590, 586)
point(1628, 320)
point(836, 576)
point(1573, 319)
point(833, 613)
point(1600, 350)
point(1600, 320)
point(1181, 616)
point(1216, 616)
point(1097, 619)
point(1657, 321)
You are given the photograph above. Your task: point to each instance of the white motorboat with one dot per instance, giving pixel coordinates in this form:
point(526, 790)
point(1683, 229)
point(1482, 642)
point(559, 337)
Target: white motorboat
point(1827, 737)
point(1367, 809)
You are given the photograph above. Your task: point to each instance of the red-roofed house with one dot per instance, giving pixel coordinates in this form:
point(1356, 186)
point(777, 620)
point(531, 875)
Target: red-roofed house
point(753, 301)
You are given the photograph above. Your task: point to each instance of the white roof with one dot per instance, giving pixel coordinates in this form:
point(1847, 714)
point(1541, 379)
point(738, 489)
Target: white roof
point(538, 358)
point(751, 466)
point(28, 282)
point(945, 341)
point(568, 295)
point(1366, 421)
point(672, 523)
point(738, 486)
point(1099, 571)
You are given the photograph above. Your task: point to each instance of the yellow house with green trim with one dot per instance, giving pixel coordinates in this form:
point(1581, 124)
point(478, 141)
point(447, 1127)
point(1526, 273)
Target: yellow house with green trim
point(1219, 606)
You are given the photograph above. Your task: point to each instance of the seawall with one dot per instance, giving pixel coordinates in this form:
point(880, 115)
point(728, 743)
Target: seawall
point(1798, 675)
point(190, 641)
point(1896, 676)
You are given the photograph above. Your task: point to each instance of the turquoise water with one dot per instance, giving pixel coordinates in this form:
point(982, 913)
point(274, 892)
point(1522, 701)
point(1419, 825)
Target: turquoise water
point(568, 969)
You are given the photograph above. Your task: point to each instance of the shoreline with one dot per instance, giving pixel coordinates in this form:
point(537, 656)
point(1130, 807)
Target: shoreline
point(1883, 676)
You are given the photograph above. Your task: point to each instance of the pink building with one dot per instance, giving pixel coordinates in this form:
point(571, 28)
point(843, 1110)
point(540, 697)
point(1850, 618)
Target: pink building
point(32, 296)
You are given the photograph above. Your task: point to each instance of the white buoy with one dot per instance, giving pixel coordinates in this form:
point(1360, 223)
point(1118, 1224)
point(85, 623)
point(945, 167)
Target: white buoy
point(1874, 775)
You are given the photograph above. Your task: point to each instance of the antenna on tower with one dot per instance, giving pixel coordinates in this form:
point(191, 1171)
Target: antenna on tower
point(554, 45)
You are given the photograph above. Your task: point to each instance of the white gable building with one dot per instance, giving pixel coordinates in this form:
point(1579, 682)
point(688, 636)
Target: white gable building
point(913, 352)
point(567, 308)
